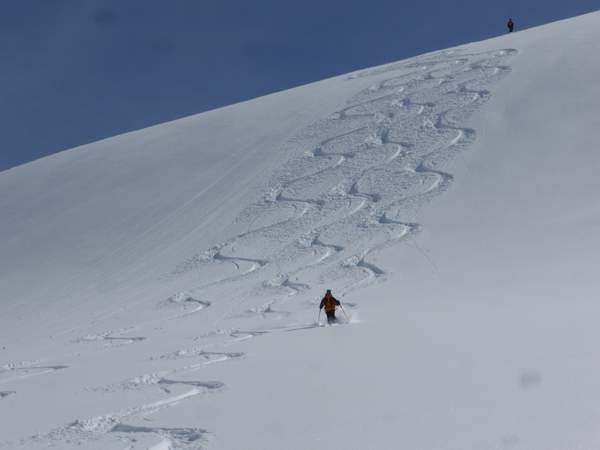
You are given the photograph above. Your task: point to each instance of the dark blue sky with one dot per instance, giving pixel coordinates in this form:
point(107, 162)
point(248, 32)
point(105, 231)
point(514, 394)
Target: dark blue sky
point(75, 71)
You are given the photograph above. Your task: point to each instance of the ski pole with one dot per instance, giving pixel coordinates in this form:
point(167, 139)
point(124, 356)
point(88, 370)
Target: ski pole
point(344, 311)
point(319, 319)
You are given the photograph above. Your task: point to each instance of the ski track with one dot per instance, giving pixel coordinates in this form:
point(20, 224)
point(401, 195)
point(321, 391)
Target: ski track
point(12, 372)
point(391, 98)
point(185, 303)
point(112, 338)
point(113, 423)
point(119, 423)
point(172, 437)
point(354, 175)
point(199, 352)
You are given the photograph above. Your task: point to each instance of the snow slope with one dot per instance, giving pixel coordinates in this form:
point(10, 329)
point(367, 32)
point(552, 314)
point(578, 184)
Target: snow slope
point(160, 288)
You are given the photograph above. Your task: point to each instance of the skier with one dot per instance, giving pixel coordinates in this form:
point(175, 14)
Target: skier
point(511, 25)
point(329, 302)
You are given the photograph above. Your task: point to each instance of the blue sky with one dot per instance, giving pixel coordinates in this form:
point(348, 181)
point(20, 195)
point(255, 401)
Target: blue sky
point(75, 71)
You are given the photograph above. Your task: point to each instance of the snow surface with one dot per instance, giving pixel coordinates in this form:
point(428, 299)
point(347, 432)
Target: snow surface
point(160, 288)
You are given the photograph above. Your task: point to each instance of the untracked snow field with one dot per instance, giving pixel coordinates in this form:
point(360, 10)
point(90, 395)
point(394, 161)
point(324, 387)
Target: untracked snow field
point(160, 289)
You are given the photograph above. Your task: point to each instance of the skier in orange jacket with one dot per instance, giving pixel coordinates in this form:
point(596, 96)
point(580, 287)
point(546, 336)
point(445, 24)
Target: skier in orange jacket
point(329, 302)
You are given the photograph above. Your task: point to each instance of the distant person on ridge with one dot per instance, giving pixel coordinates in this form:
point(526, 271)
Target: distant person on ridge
point(510, 25)
point(329, 302)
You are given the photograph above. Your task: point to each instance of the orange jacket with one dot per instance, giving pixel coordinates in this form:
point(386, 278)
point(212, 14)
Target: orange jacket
point(329, 302)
